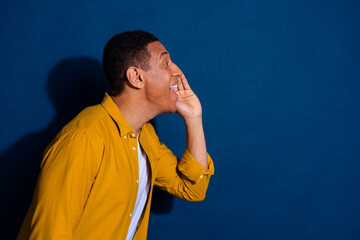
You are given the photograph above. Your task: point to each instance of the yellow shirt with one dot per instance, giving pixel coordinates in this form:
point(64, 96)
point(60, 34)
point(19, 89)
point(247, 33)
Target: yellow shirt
point(87, 186)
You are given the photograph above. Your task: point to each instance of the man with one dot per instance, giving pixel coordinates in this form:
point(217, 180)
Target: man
point(97, 175)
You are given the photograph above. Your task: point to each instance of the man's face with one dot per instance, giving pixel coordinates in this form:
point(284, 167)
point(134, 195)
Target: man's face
point(161, 79)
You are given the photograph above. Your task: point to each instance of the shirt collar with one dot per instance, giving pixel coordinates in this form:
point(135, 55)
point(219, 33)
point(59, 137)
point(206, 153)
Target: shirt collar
point(114, 112)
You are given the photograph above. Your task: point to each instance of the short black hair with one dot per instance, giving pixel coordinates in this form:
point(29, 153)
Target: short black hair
point(123, 51)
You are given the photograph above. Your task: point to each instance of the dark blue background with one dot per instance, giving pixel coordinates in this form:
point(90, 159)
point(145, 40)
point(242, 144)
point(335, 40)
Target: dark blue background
point(279, 84)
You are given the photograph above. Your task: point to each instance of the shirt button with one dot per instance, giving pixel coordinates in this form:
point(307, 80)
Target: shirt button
point(137, 181)
point(201, 176)
point(133, 135)
point(125, 137)
point(134, 148)
point(130, 215)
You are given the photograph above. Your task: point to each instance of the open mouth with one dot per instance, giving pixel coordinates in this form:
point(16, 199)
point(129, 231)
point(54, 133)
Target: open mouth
point(174, 89)
point(173, 86)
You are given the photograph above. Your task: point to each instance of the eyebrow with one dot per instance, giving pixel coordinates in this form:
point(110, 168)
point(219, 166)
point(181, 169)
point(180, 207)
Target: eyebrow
point(163, 53)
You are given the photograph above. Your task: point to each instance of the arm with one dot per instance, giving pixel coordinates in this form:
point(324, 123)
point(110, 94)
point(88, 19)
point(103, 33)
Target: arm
point(189, 108)
point(67, 172)
point(188, 178)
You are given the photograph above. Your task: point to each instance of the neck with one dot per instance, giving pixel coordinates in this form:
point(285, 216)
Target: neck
point(134, 108)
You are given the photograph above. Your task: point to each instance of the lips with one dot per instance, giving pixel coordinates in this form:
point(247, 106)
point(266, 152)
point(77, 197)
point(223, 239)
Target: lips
point(174, 89)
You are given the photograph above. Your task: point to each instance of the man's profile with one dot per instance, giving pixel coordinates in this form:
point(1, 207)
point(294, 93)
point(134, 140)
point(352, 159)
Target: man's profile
point(98, 173)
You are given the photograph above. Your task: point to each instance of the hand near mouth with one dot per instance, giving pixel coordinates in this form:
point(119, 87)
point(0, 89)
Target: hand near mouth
point(188, 105)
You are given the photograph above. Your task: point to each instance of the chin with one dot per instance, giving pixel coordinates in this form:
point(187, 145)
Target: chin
point(174, 107)
point(171, 109)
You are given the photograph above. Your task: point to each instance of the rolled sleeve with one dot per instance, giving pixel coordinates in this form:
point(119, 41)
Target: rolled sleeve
point(192, 169)
point(186, 178)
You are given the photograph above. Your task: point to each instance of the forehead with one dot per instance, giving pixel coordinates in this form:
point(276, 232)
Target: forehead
point(156, 49)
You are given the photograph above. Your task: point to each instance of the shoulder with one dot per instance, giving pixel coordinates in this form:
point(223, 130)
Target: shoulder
point(89, 122)
point(84, 130)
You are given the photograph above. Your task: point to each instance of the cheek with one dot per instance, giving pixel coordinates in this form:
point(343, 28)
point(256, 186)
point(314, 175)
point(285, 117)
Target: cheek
point(160, 83)
point(158, 88)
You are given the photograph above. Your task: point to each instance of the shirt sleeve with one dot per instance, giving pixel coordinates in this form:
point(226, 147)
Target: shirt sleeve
point(185, 178)
point(68, 170)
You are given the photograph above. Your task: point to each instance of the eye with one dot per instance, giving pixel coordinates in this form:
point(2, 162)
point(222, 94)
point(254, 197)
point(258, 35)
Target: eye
point(166, 64)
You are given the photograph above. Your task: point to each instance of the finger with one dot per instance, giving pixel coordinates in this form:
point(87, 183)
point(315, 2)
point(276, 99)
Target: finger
point(185, 82)
point(180, 84)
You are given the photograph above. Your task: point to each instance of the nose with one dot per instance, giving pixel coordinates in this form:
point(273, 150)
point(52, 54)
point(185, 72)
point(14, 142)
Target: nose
point(175, 70)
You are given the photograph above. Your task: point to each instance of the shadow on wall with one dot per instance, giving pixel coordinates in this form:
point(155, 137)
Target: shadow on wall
point(73, 84)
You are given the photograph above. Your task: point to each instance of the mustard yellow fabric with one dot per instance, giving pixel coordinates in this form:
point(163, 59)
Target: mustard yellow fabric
point(87, 185)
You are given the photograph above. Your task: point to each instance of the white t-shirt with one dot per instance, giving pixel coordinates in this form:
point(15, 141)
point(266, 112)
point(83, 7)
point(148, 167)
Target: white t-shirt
point(143, 190)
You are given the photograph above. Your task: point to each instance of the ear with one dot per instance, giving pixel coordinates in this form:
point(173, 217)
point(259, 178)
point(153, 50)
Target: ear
point(133, 75)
